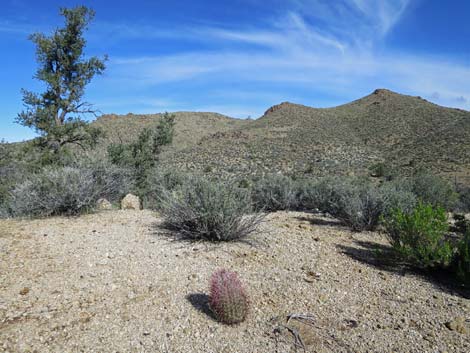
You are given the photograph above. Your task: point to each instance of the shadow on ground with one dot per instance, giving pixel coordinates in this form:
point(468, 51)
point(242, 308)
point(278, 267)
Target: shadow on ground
point(383, 258)
point(200, 302)
point(317, 220)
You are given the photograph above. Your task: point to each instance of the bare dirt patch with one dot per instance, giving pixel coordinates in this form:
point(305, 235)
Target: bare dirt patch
point(117, 282)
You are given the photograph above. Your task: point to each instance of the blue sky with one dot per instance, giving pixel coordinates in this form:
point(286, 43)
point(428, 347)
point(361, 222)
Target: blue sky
point(240, 57)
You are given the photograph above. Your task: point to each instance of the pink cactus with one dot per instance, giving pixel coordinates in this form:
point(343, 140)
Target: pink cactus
point(228, 299)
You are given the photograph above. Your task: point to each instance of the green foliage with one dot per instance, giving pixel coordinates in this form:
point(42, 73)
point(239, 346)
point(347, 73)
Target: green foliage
point(213, 211)
point(420, 236)
point(228, 299)
point(433, 189)
point(462, 259)
point(274, 193)
point(142, 155)
point(56, 113)
point(68, 190)
point(382, 170)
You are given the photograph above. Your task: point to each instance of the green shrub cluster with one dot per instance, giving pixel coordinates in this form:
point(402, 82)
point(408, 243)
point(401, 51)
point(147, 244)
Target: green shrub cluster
point(420, 236)
point(214, 211)
point(141, 156)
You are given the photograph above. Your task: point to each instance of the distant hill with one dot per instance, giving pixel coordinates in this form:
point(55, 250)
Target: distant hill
point(190, 127)
point(404, 131)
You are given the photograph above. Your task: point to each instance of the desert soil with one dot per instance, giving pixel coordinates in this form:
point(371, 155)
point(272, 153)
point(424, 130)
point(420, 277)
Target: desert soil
point(118, 282)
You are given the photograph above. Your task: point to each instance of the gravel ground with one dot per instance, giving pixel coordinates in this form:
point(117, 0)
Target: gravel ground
point(117, 282)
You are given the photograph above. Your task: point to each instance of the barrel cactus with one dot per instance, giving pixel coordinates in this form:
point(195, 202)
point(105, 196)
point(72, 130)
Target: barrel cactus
point(228, 299)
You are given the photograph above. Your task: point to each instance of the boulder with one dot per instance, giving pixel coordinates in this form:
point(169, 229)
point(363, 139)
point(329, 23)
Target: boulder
point(130, 202)
point(104, 205)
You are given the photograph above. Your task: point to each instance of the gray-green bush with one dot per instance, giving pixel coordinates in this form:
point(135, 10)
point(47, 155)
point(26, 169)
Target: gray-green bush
point(68, 190)
point(160, 182)
point(355, 201)
point(204, 210)
point(433, 190)
point(274, 193)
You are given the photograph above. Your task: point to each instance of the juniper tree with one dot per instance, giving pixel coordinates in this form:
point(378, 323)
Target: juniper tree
point(57, 114)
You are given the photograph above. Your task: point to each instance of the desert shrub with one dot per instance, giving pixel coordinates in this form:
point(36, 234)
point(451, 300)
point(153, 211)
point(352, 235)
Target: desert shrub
point(383, 170)
point(462, 260)
point(228, 299)
point(274, 193)
point(420, 236)
point(464, 199)
point(433, 190)
point(359, 205)
point(142, 155)
point(12, 171)
point(213, 211)
point(356, 202)
point(395, 195)
point(161, 182)
point(67, 190)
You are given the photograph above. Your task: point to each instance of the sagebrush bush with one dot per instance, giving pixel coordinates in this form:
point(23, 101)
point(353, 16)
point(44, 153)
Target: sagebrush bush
point(274, 193)
point(462, 259)
point(161, 182)
point(228, 299)
point(68, 190)
point(420, 236)
point(357, 204)
point(395, 195)
point(207, 210)
point(433, 190)
point(311, 194)
point(464, 199)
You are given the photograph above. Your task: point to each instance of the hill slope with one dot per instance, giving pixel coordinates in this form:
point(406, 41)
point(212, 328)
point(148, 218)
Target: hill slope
point(404, 131)
point(190, 127)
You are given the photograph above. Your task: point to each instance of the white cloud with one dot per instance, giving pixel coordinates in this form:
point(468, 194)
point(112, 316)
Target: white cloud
point(335, 55)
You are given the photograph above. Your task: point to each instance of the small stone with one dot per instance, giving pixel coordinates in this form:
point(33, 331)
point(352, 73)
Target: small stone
point(458, 325)
point(84, 317)
point(104, 205)
point(130, 202)
point(24, 291)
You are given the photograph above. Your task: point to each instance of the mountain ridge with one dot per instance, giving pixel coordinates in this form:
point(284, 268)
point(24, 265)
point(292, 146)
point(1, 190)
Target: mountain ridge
point(404, 131)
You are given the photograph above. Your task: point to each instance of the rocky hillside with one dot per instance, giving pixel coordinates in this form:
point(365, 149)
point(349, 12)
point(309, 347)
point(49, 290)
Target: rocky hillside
point(190, 127)
point(403, 131)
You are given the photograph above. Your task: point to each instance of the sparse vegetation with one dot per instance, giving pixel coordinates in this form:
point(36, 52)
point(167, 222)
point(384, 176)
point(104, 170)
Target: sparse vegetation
point(228, 299)
point(213, 211)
